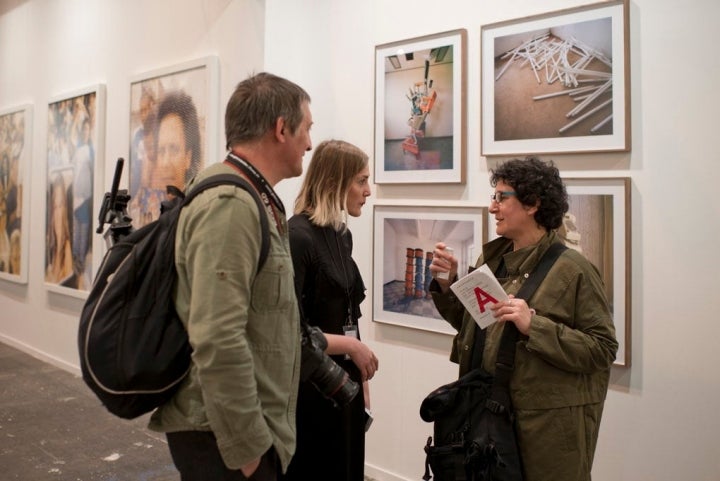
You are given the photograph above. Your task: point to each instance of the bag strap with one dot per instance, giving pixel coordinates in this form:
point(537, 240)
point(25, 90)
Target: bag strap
point(505, 362)
point(232, 179)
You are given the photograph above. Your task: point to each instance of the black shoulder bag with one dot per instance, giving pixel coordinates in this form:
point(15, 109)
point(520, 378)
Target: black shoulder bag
point(474, 433)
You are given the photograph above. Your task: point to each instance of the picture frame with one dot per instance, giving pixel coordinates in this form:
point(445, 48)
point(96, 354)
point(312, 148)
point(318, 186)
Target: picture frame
point(15, 162)
point(557, 82)
point(74, 175)
point(173, 128)
point(405, 237)
point(598, 224)
point(420, 90)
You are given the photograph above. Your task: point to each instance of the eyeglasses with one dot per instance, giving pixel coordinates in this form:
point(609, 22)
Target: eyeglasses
point(502, 195)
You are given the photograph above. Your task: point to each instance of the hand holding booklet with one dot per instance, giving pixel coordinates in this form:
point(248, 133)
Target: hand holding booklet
point(478, 291)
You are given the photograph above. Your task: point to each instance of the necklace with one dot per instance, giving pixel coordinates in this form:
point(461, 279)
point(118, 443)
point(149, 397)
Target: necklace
point(341, 255)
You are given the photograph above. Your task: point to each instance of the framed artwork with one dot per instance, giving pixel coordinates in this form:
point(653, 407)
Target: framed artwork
point(173, 125)
point(15, 162)
point(558, 82)
point(405, 238)
point(598, 225)
point(75, 146)
point(420, 110)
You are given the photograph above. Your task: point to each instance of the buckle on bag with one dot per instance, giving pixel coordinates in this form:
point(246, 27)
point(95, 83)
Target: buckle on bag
point(494, 406)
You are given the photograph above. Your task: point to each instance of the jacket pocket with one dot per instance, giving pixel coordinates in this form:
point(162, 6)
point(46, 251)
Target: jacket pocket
point(273, 289)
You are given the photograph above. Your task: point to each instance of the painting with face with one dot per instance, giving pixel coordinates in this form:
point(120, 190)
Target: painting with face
point(75, 127)
point(14, 156)
point(168, 131)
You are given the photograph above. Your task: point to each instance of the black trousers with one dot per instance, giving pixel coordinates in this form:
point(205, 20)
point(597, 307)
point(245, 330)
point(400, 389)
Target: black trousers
point(196, 455)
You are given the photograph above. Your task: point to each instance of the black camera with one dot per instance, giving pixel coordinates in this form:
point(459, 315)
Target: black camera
point(324, 373)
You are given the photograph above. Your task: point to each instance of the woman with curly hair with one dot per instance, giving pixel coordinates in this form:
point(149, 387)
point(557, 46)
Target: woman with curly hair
point(566, 343)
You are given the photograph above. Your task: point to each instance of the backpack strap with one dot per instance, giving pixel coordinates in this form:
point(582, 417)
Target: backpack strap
point(233, 179)
point(505, 361)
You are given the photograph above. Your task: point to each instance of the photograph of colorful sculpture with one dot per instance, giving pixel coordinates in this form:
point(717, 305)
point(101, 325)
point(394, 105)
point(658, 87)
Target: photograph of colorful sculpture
point(428, 143)
point(422, 98)
point(419, 110)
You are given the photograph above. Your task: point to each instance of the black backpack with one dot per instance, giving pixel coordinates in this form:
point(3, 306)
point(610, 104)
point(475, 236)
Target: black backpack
point(474, 437)
point(134, 350)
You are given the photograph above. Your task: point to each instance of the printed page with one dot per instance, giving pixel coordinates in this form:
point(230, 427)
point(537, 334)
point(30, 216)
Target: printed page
point(478, 291)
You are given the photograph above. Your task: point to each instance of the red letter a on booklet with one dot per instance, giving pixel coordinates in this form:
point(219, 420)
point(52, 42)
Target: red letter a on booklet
point(483, 298)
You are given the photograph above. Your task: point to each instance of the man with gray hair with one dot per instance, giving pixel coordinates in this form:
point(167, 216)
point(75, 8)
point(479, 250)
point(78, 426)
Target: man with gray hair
point(233, 418)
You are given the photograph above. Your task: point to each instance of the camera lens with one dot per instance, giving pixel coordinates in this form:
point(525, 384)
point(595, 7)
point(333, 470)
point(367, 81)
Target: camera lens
point(322, 371)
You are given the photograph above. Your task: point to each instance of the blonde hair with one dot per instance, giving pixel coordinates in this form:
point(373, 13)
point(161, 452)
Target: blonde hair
point(323, 195)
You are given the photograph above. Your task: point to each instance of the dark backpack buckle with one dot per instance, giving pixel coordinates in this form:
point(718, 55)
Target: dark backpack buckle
point(495, 406)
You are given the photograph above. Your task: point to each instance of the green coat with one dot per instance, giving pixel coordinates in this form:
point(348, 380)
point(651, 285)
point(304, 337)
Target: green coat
point(562, 368)
point(244, 328)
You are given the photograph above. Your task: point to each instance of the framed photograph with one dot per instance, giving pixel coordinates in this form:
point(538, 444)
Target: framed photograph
point(598, 225)
point(405, 238)
point(75, 146)
point(558, 82)
point(420, 109)
point(15, 162)
point(173, 114)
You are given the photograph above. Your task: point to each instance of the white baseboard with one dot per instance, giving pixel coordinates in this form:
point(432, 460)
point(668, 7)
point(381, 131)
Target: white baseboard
point(379, 474)
point(43, 356)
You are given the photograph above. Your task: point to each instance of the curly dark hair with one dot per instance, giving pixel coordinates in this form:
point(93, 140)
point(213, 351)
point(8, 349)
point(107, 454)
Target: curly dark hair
point(535, 181)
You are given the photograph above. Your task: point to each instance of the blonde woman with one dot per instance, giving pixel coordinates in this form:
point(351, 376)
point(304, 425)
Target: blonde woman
point(331, 440)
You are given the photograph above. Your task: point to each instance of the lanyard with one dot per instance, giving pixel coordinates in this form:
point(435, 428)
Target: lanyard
point(341, 255)
point(257, 178)
point(267, 193)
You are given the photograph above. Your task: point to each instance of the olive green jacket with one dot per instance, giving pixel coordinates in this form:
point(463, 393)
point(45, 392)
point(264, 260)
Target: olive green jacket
point(562, 367)
point(244, 328)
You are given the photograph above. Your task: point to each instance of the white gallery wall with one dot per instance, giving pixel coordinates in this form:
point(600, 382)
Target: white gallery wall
point(49, 48)
point(661, 415)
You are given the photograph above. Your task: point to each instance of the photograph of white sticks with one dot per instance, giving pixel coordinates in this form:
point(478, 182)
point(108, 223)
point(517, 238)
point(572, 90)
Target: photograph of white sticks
point(551, 60)
point(557, 82)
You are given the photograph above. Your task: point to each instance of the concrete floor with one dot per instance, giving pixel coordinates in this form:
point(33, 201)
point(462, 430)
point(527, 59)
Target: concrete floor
point(53, 428)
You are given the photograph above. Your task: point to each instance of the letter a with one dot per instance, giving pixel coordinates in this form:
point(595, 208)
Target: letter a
point(483, 298)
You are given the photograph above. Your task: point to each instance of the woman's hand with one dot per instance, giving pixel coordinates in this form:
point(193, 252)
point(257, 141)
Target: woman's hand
point(514, 310)
point(364, 359)
point(443, 262)
point(360, 354)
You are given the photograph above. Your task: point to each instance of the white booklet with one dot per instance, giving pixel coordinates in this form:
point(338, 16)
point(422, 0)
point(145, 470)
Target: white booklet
point(478, 291)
